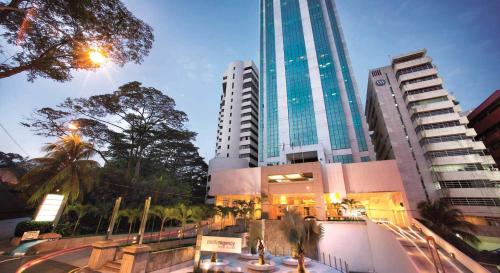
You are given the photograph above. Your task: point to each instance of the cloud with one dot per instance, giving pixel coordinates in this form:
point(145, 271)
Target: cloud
point(197, 69)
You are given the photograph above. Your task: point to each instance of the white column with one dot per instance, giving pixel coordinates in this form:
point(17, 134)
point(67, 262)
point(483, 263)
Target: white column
point(284, 135)
point(316, 88)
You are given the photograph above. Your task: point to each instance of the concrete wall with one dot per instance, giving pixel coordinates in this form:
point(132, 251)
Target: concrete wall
point(168, 258)
point(388, 255)
point(349, 242)
point(238, 181)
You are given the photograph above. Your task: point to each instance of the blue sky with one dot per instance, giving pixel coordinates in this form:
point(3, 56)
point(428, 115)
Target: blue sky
point(196, 39)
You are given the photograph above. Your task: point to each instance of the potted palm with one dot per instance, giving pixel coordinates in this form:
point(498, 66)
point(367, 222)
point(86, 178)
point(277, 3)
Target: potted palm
point(303, 235)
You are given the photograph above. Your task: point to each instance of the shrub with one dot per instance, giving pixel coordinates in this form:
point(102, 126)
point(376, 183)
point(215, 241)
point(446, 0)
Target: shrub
point(31, 225)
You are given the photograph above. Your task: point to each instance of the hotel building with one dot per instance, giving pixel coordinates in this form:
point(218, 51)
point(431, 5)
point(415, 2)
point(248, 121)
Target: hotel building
point(237, 129)
point(309, 104)
point(417, 122)
point(314, 147)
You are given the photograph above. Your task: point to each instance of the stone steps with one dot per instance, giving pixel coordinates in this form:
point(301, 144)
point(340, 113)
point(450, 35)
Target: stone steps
point(111, 267)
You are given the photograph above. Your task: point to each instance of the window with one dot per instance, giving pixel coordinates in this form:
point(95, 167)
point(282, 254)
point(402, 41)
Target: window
point(468, 184)
point(232, 85)
point(343, 158)
point(365, 158)
point(473, 201)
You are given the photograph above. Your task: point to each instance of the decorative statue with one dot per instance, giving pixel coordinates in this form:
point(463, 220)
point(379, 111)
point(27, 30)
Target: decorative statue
point(261, 249)
point(301, 266)
point(213, 258)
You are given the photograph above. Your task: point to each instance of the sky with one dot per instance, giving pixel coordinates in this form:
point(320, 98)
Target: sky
point(195, 40)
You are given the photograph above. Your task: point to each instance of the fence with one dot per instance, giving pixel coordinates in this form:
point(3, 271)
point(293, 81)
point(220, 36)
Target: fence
point(326, 259)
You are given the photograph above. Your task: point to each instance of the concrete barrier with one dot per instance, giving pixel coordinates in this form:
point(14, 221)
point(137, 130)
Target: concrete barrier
point(169, 258)
point(459, 255)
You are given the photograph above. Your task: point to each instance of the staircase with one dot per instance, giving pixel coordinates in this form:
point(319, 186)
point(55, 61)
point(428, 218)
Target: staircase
point(111, 267)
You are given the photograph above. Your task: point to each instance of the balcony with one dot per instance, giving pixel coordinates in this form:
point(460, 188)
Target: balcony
point(472, 192)
point(470, 132)
point(436, 119)
point(411, 63)
point(478, 145)
point(426, 95)
point(422, 84)
point(488, 159)
point(457, 159)
point(464, 175)
point(449, 145)
point(417, 74)
point(456, 130)
point(431, 107)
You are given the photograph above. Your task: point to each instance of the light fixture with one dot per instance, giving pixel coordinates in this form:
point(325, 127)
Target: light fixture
point(293, 176)
point(276, 177)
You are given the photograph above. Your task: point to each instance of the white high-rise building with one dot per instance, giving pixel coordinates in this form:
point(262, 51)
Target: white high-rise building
point(238, 122)
point(419, 123)
point(310, 109)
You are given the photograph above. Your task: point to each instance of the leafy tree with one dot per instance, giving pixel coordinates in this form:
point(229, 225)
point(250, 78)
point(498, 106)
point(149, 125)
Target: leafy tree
point(446, 220)
point(164, 213)
point(138, 131)
point(80, 211)
point(183, 214)
point(51, 37)
point(132, 216)
point(13, 164)
point(102, 210)
point(66, 168)
point(223, 212)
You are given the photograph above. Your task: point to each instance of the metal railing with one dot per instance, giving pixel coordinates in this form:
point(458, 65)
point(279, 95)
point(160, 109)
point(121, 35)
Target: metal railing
point(323, 258)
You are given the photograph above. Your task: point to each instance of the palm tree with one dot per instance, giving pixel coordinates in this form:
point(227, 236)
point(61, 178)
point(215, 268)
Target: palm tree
point(350, 203)
point(66, 168)
point(183, 214)
point(102, 210)
point(132, 215)
point(223, 212)
point(302, 233)
point(80, 211)
point(441, 217)
point(164, 213)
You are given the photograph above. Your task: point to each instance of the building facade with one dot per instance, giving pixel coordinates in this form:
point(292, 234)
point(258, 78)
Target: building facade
point(417, 122)
point(309, 106)
point(485, 119)
point(317, 189)
point(237, 128)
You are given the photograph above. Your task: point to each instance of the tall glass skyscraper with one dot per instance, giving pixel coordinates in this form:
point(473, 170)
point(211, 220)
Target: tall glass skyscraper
point(309, 104)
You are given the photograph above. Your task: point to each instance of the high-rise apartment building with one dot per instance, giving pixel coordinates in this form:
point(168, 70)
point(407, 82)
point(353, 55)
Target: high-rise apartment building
point(416, 121)
point(309, 106)
point(485, 119)
point(237, 128)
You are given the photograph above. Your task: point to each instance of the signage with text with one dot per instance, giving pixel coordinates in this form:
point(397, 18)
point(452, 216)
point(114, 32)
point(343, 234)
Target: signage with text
point(30, 235)
point(221, 244)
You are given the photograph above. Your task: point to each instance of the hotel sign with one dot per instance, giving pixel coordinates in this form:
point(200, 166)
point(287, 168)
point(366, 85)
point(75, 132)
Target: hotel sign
point(221, 244)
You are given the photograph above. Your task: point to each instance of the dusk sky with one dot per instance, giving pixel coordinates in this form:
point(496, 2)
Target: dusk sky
point(196, 39)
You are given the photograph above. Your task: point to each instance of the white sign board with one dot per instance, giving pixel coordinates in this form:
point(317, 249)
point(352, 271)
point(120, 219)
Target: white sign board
point(30, 235)
point(221, 244)
point(49, 208)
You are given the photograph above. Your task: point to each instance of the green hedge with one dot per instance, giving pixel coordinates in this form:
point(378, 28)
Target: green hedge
point(31, 225)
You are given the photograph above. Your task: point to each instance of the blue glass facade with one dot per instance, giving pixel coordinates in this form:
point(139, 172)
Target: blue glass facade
point(342, 159)
point(261, 91)
point(337, 127)
point(351, 94)
point(271, 108)
point(301, 116)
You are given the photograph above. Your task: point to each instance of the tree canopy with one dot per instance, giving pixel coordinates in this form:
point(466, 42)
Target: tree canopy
point(138, 133)
point(49, 38)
